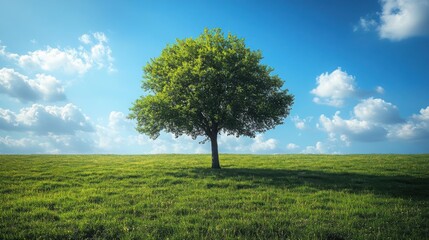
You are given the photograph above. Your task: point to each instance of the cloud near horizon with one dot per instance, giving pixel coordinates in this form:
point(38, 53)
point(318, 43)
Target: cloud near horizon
point(415, 128)
point(376, 120)
point(41, 128)
point(46, 120)
point(95, 53)
point(372, 119)
point(47, 144)
point(51, 129)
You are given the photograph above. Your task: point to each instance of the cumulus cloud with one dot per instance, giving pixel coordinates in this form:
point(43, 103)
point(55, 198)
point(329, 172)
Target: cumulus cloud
point(377, 111)
point(119, 122)
point(316, 149)
point(185, 144)
point(260, 144)
point(332, 88)
point(43, 87)
point(301, 123)
point(23, 145)
point(101, 54)
point(230, 143)
point(47, 129)
point(399, 19)
point(423, 115)
point(353, 129)
point(117, 132)
point(95, 53)
point(416, 128)
point(292, 146)
point(51, 129)
point(46, 120)
point(119, 136)
point(402, 19)
point(70, 61)
point(52, 144)
point(370, 121)
point(376, 120)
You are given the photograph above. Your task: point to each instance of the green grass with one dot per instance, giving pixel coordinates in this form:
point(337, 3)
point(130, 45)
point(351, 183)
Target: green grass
point(180, 197)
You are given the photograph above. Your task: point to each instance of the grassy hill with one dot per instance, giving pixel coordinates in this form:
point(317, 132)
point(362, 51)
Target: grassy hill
point(180, 197)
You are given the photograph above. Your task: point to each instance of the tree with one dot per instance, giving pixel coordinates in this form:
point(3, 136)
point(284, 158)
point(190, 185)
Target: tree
point(207, 86)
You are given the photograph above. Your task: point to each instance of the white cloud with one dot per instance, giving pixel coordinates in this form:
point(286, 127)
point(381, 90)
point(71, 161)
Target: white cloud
point(408, 131)
point(345, 139)
point(85, 39)
point(101, 37)
point(366, 24)
point(119, 122)
point(53, 144)
point(51, 129)
point(2, 49)
point(232, 144)
point(316, 149)
point(301, 123)
point(376, 120)
point(399, 19)
point(22, 145)
point(292, 146)
point(46, 120)
point(402, 19)
point(7, 54)
point(332, 88)
point(43, 87)
point(101, 54)
point(376, 110)
point(379, 90)
point(117, 133)
point(416, 128)
point(352, 129)
point(259, 144)
point(423, 116)
point(119, 136)
point(68, 60)
point(185, 144)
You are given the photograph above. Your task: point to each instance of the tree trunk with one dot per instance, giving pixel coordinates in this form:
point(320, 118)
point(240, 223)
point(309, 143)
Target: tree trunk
point(215, 152)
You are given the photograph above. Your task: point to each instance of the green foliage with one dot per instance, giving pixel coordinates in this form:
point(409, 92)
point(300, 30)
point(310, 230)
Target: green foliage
point(178, 197)
point(207, 85)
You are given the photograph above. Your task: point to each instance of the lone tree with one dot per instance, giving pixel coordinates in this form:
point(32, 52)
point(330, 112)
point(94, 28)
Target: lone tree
point(207, 86)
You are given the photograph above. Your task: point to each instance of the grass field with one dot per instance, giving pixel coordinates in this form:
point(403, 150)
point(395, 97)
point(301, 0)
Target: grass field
point(180, 197)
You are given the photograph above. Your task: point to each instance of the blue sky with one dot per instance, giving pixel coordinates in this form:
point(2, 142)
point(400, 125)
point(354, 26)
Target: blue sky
point(359, 70)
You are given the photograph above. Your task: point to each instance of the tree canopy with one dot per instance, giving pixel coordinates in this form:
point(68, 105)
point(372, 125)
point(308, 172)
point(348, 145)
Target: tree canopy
point(210, 85)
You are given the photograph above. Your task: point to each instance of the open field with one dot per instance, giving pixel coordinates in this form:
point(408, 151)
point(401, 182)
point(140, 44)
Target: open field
point(180, 197)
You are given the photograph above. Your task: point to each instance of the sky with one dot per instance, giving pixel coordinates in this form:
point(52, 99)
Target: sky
point(359, 71)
